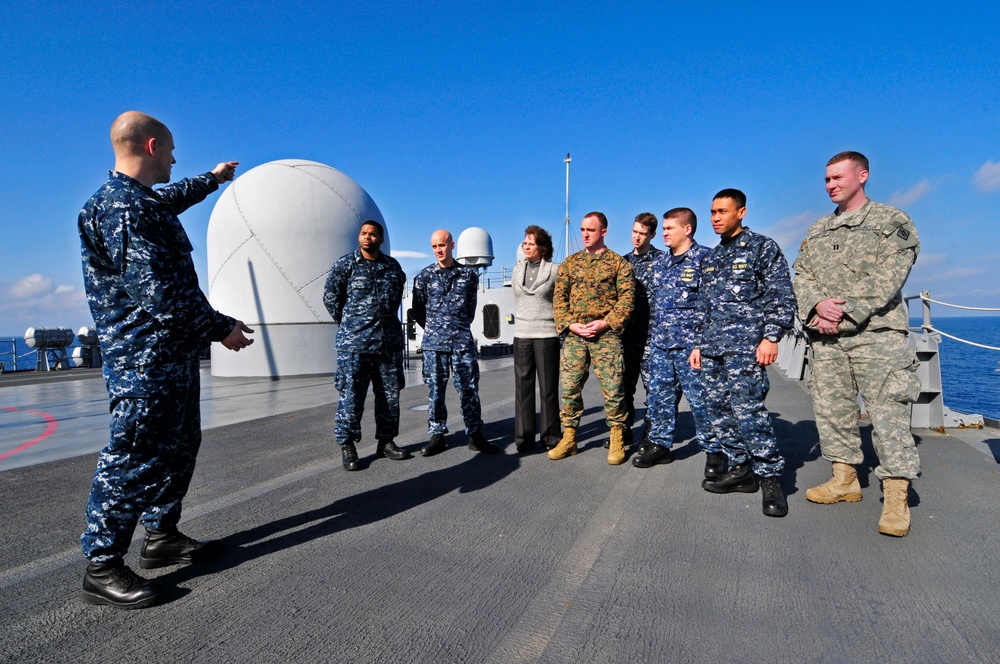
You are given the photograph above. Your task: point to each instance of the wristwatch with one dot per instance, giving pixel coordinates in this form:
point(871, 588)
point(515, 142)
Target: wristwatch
point(773, 338)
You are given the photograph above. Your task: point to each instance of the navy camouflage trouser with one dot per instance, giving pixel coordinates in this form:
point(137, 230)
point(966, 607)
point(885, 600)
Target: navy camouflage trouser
point(437, 365)
point(735, 388)
point(355, 371)
point(670, 374)
point(146, 467)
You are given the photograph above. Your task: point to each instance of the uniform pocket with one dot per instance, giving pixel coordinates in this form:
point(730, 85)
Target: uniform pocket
point(901, 383)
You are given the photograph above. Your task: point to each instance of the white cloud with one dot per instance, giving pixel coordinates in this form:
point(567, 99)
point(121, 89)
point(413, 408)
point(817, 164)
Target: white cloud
point(35, 301)
point(907, 198)
point(790, 231)
point(403, 253)
point(988, 176)
point(31, 285)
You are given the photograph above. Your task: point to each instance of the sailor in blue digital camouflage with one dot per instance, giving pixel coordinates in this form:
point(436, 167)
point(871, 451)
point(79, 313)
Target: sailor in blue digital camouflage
point(153, 322)
point(444, 304)
point(675, 290)
point(748, 306)
point(592, 301)
point(363, 294)
point(849, 278)
point(636, 334)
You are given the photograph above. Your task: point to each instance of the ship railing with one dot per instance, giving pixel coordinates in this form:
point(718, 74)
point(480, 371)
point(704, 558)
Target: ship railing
point(929, 411)
point(11, 357)
point(927, 325)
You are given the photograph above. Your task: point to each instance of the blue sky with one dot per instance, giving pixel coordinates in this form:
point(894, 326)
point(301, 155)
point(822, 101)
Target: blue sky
point(459, 114)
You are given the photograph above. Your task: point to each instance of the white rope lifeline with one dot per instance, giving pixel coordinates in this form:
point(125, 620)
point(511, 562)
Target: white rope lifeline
point(971, 343)
point(957, 306)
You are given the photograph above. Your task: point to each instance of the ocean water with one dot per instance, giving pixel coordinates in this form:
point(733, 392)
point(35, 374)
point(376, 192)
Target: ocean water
point(970, 376)
point(27, 358)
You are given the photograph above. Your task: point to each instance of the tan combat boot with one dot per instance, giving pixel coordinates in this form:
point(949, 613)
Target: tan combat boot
point(843, 486)
point(566, 446)
point(895, 519)
point(616, 452)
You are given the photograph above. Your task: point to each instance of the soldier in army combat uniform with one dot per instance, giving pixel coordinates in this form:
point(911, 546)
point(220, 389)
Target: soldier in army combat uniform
point(675, 288)
point(363, 294)
point(636, 334)
point(748, 305)
point(444, 304)
point(849, 275)
point(592, 302)
point(153, 322)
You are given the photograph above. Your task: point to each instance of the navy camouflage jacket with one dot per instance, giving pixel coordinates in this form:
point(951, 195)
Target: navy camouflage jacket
point(141, 283)
point(364, 297)
point(675, 288)
point(643, 304)
point(746, 295)
point(444, 304)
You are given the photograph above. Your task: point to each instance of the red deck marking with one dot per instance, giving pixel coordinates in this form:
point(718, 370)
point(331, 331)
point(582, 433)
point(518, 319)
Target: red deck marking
point(49, 430)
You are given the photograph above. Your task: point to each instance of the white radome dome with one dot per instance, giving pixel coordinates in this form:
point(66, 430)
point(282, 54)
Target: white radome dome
point(272, 237)
point(474, 247)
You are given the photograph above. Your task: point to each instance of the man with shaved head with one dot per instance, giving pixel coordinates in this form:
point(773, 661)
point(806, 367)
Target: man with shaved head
point(444, 304)
point(153, 322)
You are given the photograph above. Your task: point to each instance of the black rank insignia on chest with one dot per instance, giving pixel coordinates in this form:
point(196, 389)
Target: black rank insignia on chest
point(903, 234)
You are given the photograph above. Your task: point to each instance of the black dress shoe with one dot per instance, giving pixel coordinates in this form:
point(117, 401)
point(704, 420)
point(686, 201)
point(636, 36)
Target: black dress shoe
point(653, 455)
point(389, 449)
point(114, 584)
point(525, 448)
point(736, 479)
point(715, 464)
point(172, 547)
point(349, 455)
point(478, 443)
point(774, 502)
point(435, 446)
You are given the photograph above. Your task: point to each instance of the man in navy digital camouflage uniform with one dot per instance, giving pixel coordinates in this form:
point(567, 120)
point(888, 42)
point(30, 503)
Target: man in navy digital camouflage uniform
point(153, 322)
point(748, 305)
point(444, 304)
point(675, 290)
point(363, 294)
point(636, 334)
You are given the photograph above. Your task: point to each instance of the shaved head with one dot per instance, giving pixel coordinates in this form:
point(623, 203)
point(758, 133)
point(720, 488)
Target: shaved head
point(441, 235)
point(131, 130)
point(442, 245)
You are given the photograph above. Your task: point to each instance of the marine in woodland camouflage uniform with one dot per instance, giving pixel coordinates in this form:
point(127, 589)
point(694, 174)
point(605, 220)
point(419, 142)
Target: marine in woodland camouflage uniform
point(850, 271)
point(748, 305)
point(153, 322)
point(593, 286)
point(444, 304)
point(675, 288)
point(363, 294)
point(636, 335)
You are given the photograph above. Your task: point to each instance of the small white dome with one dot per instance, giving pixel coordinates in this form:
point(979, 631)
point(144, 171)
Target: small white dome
point(474, 247)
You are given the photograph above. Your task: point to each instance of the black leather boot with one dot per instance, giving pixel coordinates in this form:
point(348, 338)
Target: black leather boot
point(736, 479)
point(349, 455)
point(389, 449)
point(652, 455)
point(172, 547)
point(774, 502)
point(435, 446)
point(715, 464)
point(114, 584)
point(478, 443)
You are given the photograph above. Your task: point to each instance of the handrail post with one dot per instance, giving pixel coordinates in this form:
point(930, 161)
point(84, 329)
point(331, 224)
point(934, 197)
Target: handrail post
point(925, 297)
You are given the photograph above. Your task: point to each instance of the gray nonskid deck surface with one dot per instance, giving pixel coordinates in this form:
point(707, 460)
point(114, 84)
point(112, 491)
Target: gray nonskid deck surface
point(471, 558)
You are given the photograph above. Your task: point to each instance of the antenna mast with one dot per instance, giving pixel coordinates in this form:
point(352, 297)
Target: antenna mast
point(566, 161)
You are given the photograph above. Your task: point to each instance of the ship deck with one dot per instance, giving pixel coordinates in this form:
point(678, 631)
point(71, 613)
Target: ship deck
point(472, 558)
